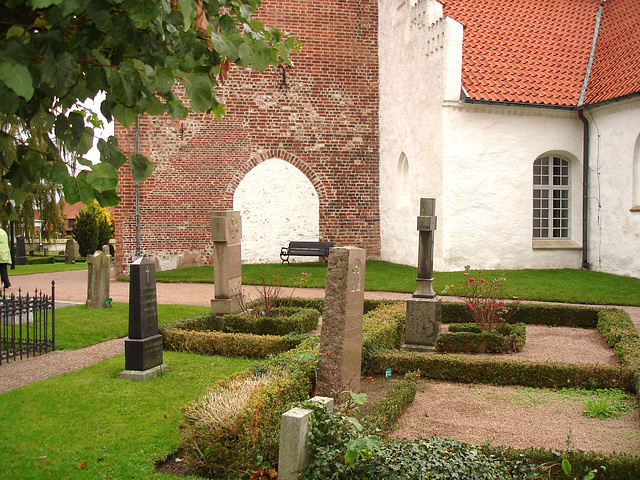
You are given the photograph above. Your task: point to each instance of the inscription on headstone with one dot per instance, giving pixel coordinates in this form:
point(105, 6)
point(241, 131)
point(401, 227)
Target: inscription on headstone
point(143, 348)
point(226, 234)
point(341, 338)
point(424, 310)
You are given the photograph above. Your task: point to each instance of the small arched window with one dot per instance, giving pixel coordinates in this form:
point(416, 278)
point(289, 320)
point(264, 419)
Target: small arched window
point(636, 177)
point(403, 179)
point(551, 198)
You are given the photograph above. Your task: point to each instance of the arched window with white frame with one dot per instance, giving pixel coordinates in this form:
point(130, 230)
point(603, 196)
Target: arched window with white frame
point(551, 198)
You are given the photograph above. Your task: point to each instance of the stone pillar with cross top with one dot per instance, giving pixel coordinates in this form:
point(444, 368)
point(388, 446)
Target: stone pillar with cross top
point(424, 310)
point(226, 234)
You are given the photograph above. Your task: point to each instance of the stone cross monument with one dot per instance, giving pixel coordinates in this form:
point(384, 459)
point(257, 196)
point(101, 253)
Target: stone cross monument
point(340, 356)
point(143, 348)
point(226, 234)
point(424, 310)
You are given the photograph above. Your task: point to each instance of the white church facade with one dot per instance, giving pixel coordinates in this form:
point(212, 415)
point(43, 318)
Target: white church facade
point(529, 140)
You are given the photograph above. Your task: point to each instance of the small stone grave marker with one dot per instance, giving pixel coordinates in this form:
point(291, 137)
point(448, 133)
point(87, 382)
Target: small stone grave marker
point(71, 251)
point(21, 257)
point(98, 280)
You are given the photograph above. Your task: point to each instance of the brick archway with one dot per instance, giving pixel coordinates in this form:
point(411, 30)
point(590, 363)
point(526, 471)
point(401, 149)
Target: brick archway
point(264, 155)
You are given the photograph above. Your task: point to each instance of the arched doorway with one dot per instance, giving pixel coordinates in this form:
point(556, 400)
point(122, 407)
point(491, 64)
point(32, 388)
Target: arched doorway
point(278, 204)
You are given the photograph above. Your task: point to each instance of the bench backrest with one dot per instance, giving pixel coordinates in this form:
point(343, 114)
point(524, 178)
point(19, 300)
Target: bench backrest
point(322, 247)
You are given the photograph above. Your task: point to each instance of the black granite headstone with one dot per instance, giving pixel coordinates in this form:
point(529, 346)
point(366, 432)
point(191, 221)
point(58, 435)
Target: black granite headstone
point(22, 250)
point(143, 307)
point(143, 348)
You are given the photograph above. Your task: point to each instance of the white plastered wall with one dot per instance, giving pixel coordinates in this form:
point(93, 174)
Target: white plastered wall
point(417, 47)
point(488, 185)
point(614, 226)
point(278, 204)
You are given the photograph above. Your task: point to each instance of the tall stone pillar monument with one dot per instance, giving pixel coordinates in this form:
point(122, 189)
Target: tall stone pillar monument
point(340, 356)
point(226, 234)
point(424, 310)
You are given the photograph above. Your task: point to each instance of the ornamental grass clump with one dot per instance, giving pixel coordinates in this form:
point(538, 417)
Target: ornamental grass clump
point(485, 301)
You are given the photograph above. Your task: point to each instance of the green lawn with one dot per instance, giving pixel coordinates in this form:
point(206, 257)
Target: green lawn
point(561, 285)
point(46, 268)
point(77, 327)
point(89, 424)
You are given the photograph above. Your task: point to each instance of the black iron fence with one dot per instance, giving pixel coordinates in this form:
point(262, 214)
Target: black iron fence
point(27, 324)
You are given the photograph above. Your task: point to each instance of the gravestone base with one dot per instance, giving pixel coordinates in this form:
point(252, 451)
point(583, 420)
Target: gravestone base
point(423, 323)
point(227, 306)
point(143, 354)
point(143, 376)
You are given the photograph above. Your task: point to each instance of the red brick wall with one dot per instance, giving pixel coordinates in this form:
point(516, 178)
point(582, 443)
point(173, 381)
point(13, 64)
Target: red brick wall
point(325, 123)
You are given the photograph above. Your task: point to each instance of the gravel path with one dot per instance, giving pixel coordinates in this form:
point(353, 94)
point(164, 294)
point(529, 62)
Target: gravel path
point(71, 287)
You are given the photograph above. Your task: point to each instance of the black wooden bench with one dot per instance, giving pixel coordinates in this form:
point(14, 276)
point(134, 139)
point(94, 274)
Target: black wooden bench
point(305, 249)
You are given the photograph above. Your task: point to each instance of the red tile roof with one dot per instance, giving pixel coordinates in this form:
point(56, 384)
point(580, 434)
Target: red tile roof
point(616, 65)
point(537, 51)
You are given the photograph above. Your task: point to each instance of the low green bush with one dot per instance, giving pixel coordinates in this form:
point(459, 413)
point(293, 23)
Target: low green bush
point(382, 329)
point(468, 338)
point(532, 314)
point(318, 303)
point(389, 410)
point(284, 320)
point(228, 344)
point(198, 323)
point(620, 333)
point(239, 420)
point(339, 451)
point(500, 371)
point(40, 260)
point(546, 464)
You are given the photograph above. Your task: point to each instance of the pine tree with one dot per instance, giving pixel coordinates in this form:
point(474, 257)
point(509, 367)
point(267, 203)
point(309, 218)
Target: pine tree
point(85, 231)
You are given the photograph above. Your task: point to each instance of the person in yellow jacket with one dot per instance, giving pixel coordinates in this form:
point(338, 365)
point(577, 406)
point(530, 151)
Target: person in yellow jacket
point(5, 258)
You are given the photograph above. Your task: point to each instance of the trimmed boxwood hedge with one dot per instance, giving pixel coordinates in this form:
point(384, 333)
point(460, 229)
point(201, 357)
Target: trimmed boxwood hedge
point(532, 314)
point(229, 344)
point(389, 410)
point(469, 338)
point(285, 320)
point(618, 466)
point(499, 371)
point(40, 260)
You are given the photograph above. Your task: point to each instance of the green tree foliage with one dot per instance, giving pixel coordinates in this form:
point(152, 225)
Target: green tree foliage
point(93, 228)
point(57, 53)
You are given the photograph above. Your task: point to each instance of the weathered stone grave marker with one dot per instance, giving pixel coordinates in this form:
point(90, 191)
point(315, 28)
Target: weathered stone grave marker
point(21, 246)
point(71, 251)
point(226, 234)
point(424, 310)
point(98, 280)
point(294, 428)
point(341, 337)
point(143, 348)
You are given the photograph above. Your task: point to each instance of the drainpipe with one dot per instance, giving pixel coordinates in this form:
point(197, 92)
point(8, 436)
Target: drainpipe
point(585, 188)
point(137, 191)
point(585, 139)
